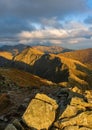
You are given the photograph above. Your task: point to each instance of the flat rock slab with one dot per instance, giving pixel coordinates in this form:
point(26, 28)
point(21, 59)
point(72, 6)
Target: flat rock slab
point(41, 112)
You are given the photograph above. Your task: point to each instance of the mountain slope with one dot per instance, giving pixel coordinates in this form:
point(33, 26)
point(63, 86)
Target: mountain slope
point(6, 55)
point(28, 56)
point(56, 68)
point(16, 49)
point(23, 79)
point(79, 74)
point(51, 49)
point(84, 56)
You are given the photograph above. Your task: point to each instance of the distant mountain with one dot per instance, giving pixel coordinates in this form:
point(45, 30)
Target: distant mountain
point(55, 68)
point(16, 49)
point(84, 56)
point(51, 49)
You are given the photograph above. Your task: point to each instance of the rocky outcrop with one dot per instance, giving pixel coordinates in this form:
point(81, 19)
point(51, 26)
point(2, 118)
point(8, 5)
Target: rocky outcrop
point(41, 112)
point(80, 103)
point(76, 128)
point(84, 119)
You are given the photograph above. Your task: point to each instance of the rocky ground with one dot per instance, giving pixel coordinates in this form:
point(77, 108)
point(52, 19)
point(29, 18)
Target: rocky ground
point(54, 108)
point(47, 107)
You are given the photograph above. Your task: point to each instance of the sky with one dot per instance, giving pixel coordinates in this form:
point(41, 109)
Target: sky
point(66, 23)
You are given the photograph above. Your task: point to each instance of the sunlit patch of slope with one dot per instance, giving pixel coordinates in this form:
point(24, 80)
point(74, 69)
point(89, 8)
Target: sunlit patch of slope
point(6, 55)
point(79, 74)
point(24, 79)
point(29, 56)
point(84, 56)
point(56, 68)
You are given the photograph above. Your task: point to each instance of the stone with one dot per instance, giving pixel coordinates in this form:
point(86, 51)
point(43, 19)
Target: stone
point(10, 127)
point(80, 103)
point(47, 99)
point(17, 124)
point(76, 128)
point(84, 128)
point(2, 118)
point(41, 112)
point(76, 106)
point(84, 119)
point(69, 112)
point(71, 128)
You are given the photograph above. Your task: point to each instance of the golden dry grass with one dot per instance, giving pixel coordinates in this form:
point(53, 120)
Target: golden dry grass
point(29, 56)
point(84, 56)
point(6, 55)
point(24, 79)
point(79, 74)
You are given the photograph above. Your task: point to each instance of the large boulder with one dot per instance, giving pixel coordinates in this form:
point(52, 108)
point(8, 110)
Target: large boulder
point(41, 112)
point(69, 112)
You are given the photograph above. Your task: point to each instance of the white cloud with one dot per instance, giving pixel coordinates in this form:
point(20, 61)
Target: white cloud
point(44, 34)
point(72, 33)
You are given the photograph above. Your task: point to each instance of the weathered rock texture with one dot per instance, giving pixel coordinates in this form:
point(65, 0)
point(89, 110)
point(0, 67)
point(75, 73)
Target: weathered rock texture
point(83, 119)
point(41, 112)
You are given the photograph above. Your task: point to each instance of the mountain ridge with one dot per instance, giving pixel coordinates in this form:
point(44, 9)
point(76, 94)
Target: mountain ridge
point(49, 83)
point(84, 56)
point(16, 49)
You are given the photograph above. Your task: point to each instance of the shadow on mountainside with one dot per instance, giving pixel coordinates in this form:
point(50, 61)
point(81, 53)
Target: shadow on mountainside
point(51, 69)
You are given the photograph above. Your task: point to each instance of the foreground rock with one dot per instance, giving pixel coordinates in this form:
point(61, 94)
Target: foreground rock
point(41, 112)
point(10, 127)
point(84, 119)
point(76, 128)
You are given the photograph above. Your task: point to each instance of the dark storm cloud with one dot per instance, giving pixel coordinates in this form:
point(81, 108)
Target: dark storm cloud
point(41, 8)
point(25, 21)
point(14, 14)
point(88, 20)
point(11, 26)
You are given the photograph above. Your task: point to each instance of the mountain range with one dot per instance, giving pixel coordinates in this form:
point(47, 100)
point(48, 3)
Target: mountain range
point(61, 74)
point(84, 56)
point(15, 49)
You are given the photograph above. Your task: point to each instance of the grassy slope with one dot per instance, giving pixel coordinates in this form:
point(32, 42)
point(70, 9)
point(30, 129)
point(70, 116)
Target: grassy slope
point(29, 55)
point(6, 55)
point(79, 74)
point(84, 56)
point(23, 79)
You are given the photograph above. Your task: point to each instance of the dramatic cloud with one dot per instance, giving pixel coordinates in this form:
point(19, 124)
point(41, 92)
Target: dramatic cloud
point(69, 34)
point(59, 22)
point(42, 8)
